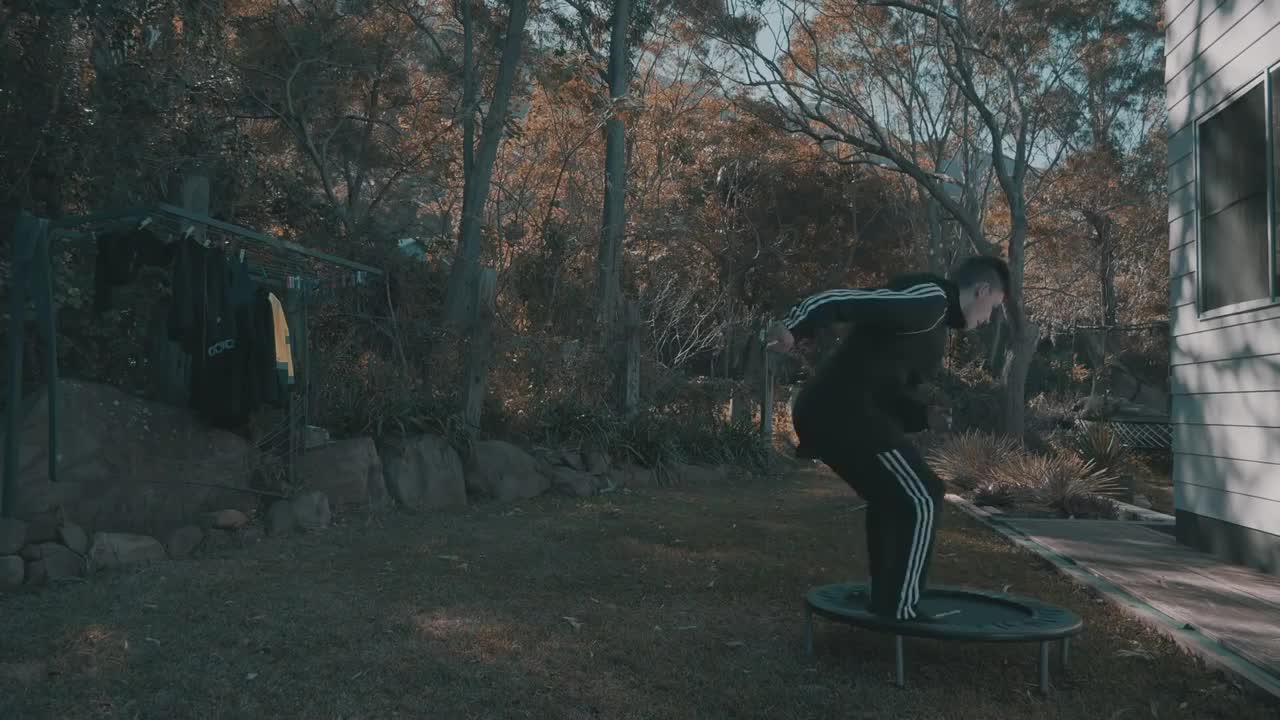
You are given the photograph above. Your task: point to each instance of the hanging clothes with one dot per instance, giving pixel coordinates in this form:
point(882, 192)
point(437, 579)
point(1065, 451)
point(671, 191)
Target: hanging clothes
point(202, 320)
point(283, 342)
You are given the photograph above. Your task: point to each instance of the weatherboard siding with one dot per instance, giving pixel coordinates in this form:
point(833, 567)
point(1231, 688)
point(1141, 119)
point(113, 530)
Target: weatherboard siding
point(1225, 371)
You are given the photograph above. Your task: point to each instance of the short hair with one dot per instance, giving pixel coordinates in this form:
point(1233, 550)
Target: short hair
point(982, 268)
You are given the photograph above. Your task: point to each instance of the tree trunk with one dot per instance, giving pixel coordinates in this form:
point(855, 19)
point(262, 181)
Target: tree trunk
point(1023, 334)
point(460, 298)
point(615, 187)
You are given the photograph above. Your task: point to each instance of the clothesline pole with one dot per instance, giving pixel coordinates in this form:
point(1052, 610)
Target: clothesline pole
point(17, 311)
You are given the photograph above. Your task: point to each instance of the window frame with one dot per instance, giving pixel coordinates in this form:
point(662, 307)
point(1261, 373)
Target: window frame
point(1267, 78)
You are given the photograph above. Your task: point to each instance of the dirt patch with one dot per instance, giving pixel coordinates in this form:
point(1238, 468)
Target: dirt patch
point(664, 604)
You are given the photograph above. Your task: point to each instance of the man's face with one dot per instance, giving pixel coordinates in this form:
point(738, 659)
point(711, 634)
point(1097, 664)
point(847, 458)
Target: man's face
point(982, 301)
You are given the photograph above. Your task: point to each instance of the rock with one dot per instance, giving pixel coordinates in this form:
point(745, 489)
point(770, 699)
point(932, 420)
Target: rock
point(424, 473)
point(597, 463)
point(32, 552)
point(632, 476)
point(349, 472)
point(573, 459)
point(13, 535)
point(13, 570)
point(43, 528)
point(250, 535)
point(36, 573)
point(216, 540)
point(184, 541)
point(503, 472)
point(574, 483)
point(60, 562)
point(227, 519)
point(313, 437)
point(280, 519)
point(113, 550)
point(311, 510)
point(74, 537)
point(1142, 501)
point(125, 464)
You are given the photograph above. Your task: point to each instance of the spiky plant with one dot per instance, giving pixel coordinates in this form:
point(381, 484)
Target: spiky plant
point(1057, 480)
point(964, 460)
point(1098, 443)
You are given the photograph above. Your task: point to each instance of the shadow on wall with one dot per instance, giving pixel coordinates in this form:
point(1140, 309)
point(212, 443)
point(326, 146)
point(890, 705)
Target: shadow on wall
point(1224, 379)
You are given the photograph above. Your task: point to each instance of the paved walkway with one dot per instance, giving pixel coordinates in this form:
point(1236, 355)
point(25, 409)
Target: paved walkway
point(1194, 595)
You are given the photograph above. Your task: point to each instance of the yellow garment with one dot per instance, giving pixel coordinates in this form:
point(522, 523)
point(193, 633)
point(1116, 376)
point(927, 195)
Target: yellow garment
point(284, 343)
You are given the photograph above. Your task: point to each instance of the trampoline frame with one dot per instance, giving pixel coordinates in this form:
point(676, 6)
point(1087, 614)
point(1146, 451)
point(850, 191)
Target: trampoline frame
point(1069, 625)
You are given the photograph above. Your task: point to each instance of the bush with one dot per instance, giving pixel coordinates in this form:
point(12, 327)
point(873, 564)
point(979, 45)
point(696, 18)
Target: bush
point(652, 439)
point(967, 459)
point(1098, 443)
point(1058, 481)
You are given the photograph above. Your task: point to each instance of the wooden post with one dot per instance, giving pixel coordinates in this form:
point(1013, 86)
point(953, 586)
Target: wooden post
point(766, 389)
point(631, 360)
point(22, 243)
point(292, 318)
point(480, 352)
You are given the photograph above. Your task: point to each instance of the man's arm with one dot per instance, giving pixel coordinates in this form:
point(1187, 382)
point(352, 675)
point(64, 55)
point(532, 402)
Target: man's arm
point(918, 308)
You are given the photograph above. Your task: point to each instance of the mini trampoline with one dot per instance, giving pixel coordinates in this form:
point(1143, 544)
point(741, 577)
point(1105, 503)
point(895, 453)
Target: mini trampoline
point(961, 614)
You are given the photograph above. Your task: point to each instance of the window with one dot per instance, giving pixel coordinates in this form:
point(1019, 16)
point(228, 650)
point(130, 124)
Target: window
point(1235, 155)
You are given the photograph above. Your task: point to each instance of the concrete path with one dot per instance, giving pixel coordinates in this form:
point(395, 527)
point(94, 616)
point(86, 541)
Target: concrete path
point(1226, 613)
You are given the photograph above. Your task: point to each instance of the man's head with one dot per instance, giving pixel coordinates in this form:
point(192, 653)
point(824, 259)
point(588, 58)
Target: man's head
point(983, 282)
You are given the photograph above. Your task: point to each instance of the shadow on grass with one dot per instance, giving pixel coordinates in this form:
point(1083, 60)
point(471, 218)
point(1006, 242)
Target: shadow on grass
point(668, 604)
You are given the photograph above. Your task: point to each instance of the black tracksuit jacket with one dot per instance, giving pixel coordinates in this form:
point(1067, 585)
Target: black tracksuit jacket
point(863, 394)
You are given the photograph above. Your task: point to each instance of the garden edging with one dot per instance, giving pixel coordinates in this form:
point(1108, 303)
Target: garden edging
point(1191, 640)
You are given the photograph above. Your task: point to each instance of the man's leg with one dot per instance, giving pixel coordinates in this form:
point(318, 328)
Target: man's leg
point(875, 544)
point(911, 502)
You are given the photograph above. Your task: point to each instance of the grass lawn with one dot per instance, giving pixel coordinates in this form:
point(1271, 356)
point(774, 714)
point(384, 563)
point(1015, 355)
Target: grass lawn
point(662, 604)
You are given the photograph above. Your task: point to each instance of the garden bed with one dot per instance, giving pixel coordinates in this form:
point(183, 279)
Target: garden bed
point(1084, 473)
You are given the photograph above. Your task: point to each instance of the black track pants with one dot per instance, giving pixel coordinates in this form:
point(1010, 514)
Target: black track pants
point(904, 502)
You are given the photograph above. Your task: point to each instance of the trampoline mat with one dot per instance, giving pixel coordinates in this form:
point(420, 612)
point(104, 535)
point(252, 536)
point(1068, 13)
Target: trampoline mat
point(962, 614)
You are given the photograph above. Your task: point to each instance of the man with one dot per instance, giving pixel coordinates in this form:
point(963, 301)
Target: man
point(856, 412)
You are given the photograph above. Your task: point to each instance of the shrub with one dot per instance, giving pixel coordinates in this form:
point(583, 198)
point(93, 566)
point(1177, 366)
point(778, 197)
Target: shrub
point(1057, 481)
point(1098, 443)
point(965, 460)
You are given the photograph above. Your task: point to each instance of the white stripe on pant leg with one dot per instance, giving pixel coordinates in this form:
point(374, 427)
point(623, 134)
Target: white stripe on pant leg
point(927, 500)
point(905, 606)
point(920, 550)
point(924, 506)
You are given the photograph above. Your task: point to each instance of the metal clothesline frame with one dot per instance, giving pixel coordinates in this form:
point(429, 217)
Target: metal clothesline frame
point(33, 243)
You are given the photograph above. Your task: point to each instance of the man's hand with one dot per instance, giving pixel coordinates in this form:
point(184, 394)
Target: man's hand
point(939, 419)
point(779, 338)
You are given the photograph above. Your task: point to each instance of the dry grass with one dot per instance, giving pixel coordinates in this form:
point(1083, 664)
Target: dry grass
point(667, 604)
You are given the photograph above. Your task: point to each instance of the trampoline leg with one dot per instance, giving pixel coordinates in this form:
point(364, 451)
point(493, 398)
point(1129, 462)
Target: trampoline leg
point(1066, 650)
point(1044, 667)
point(808, 631)
point(900, 667)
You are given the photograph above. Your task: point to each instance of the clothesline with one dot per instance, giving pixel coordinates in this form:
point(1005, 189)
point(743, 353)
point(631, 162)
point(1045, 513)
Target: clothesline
point(282, 259)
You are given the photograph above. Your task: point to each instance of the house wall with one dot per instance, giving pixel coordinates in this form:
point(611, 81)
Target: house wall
point(1225, 370)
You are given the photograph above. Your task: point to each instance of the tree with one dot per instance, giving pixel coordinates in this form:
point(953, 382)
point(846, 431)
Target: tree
point(478, 164)
point(999, 59)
